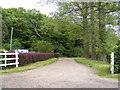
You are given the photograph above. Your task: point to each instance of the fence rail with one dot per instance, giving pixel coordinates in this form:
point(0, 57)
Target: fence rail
point(10, 59)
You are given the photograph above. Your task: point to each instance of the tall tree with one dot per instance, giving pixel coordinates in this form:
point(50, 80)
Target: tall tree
point(0, 28)
point(26, 23)
point(93, 32)
point(103, 10)
point(85, 28)
point(102, 31)
point(94, 15)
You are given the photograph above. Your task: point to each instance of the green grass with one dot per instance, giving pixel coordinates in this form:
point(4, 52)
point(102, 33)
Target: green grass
point(30, 66)
point(103, 68)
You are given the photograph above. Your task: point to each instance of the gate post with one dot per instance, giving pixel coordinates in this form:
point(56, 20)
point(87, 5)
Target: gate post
point(16, 55)
point(5, 58)
point(112, 63)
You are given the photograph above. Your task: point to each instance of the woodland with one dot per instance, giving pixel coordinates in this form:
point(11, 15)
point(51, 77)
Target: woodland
point(76, 29)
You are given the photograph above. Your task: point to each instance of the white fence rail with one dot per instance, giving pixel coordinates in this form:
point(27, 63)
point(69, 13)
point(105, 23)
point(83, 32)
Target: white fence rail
point(5, 59)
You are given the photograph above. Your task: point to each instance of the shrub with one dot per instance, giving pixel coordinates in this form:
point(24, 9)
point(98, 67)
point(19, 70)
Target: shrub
point(27, 58)
point(42, 47)
point(77, 52)
point(74, 52)
point(15, 45)
point(1, 50)
point(117, 60)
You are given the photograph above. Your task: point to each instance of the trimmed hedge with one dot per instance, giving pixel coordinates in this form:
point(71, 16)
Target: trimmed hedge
point(27, 58)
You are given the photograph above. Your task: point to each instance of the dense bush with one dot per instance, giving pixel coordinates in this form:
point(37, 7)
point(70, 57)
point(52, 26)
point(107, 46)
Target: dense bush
point(27, 58)
point(42, 46)
point(2, 50)
point(76, 52)
point(117, 60)
point(15, 45)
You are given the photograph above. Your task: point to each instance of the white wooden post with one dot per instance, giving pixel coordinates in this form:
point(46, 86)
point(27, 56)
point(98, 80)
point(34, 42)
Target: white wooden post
point(112, 63)
point(5, 59)
point(16, 55)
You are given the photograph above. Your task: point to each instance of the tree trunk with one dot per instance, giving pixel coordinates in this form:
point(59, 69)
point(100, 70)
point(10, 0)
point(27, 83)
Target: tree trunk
point(92, 27)
point(85, 28)
point(102, 32)
point(102, 56)
point(0, 32)
point(37, 32)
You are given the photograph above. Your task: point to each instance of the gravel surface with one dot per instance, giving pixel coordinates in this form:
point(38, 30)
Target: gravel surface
point(65, 73)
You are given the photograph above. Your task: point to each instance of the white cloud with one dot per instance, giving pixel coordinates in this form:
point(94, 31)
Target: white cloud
point(28, 4)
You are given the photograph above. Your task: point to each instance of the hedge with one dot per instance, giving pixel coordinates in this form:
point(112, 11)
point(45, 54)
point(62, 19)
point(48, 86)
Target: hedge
point(27, 58)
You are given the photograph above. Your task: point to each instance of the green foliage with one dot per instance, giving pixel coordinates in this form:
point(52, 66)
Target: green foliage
point(6, 46)
point(77, 52)
point(42, 46)
point(25, 23)
point(71, 32)
point(62, 34)
point(92, 17)
point(74, 52)
point(2, 50)
point(117, 58)
point(16, 44)
point(59, 48)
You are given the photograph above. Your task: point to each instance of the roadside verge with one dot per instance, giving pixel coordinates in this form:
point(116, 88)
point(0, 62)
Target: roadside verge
point(30, 66)
point(103, 68)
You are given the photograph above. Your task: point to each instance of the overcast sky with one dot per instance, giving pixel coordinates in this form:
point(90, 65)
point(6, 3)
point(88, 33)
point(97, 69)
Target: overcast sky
point(29, 4)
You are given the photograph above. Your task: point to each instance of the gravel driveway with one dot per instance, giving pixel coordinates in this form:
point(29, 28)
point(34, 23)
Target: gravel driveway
point(65, 73)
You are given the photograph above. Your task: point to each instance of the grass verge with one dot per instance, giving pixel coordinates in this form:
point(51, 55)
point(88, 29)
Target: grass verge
point(103, 68)
point(30, 66)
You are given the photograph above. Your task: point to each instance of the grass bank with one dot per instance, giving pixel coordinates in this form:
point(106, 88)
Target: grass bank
point(103, 68)
point(30, 66)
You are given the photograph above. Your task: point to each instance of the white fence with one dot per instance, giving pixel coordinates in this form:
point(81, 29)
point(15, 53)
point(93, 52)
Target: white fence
point(5, 59)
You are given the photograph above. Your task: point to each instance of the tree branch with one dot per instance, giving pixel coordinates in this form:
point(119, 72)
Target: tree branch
point(114, 10)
